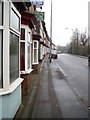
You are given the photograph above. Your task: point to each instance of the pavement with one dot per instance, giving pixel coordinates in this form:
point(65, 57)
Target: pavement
point(46, 105)
point(52, 97)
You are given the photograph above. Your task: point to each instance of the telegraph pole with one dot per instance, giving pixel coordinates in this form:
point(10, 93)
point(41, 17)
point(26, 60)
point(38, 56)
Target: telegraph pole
point(51, 32)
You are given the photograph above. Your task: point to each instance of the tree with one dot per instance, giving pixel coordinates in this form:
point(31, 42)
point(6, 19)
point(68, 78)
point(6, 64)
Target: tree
point(84, 39)
point(84, 43)
point(79, 43)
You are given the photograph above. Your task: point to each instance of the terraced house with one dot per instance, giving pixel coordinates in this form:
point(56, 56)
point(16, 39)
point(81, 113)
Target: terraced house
point(24, 43)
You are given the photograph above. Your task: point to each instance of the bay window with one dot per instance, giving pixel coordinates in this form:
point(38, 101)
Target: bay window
point(35, 51)
point(10, 20)
point(25, 49)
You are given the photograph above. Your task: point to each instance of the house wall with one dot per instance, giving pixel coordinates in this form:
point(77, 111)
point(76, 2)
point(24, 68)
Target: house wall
point(9, 103)
point(26, 84)
point(36, 68)
point(0, 107)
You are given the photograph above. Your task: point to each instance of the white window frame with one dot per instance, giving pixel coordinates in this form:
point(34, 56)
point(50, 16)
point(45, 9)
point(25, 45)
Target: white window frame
point(14, 31)
point(26, 41)
point(37, 52)
point(1, 29)
point(12, 8)
point(7, 86)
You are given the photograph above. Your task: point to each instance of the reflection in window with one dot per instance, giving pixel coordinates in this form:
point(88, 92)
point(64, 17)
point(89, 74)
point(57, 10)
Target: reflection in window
point(15, 21)
point(35, 44)
point(0, 58)
point(1, 13)
point(22, 34)
point(14, 57)
point(29, 36)
point(35, 55)
point(22, 56)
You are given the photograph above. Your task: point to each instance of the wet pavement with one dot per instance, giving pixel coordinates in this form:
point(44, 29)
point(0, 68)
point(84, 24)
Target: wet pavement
point(55, 99)
point(47, 105)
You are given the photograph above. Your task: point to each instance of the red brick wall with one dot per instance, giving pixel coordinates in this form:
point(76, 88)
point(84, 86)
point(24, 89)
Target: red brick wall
point(36, 68)
point(26, 83)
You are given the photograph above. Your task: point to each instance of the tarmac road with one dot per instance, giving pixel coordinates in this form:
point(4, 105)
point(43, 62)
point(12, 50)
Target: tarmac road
point(76, 71)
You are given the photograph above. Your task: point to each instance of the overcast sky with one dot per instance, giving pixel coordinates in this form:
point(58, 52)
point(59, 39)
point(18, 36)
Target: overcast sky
point(69, 14)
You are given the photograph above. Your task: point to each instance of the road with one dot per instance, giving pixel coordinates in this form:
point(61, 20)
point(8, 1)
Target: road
point(63, 91)
point(76, 70)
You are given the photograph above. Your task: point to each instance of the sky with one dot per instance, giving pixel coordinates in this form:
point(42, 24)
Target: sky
point(69, 14)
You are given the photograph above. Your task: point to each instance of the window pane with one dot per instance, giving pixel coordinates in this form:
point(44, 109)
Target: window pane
point(29, 36)
point(22, 34)
point(35, 55)
point(15, 20)
point(35, 44)
point(0, 58)
point(14, 57)
point(22, 56)
point(28, 56)
point(1, 13)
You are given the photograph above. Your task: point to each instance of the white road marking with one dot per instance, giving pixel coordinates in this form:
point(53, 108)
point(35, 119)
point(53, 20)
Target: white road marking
point(61, 70)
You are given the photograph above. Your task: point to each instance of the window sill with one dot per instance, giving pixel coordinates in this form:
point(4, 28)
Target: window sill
point(35, 63)
point(12, 87)
point(26, 72)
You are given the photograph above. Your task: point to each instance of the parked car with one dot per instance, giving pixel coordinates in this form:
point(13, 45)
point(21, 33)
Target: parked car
point(58, 52)
point(54, 54)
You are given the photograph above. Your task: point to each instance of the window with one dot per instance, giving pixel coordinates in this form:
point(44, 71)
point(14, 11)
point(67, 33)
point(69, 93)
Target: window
point(35, 52)
point(35, 44)
point(14, 57)
point(15, 20)
point(22, 56)
point(14, 43)
point(1, 20)
point(29, 38)
point(25, 49)
point(0, 58)
point(35, 56)
point(22, 34)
